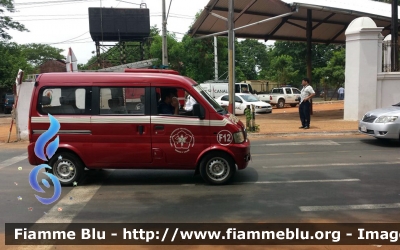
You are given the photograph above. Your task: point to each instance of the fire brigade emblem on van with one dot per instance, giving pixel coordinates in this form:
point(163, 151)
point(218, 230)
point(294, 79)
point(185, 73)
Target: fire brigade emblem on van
point(40, 153)
point(182, 140)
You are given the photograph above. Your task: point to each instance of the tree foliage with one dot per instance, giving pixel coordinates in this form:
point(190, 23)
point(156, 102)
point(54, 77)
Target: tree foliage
point(37, 54)
point(334, 72)
point(12, 59)
point(6, 22)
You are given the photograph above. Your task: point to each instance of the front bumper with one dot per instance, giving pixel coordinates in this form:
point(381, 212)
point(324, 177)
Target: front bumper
point(241, 153)
point(263, 110)
point(380, 130)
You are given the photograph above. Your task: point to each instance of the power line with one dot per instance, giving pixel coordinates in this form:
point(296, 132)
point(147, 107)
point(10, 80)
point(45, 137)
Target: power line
point(170, 2)
point(47, 2)
point(51, 19)
point(128, 2)
point(73, 18)
point(71, 39)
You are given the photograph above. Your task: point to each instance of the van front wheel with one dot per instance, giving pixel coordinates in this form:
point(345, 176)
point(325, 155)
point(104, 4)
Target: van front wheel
point(217, 168)
point(67, 167)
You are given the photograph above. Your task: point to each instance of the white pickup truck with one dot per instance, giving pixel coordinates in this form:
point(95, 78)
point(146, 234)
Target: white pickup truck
point(281, 96)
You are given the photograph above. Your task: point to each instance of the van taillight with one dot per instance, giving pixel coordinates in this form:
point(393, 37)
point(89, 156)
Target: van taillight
point(270, 97)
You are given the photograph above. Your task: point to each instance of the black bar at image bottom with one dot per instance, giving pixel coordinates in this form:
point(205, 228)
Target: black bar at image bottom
point(203, 234)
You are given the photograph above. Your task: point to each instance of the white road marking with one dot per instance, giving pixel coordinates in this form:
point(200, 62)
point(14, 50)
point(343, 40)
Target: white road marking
point(298, 181)
point(81, 195)
point(348, 207)
point(308, 143)
point(70, 208)
point(335, 164)
point(327, 152)
point(13, 160)
point(350, 142)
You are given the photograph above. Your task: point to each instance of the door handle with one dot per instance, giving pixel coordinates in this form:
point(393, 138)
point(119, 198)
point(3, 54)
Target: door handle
point(140, 129)
point(159, 127)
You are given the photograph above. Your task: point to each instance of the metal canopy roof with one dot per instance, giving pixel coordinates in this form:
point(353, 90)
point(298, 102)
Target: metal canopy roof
point(330, 18)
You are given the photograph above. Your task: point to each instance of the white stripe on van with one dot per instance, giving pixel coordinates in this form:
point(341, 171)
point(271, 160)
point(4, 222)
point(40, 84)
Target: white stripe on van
point(120, 119)
point(64, 119)
point(136, 120)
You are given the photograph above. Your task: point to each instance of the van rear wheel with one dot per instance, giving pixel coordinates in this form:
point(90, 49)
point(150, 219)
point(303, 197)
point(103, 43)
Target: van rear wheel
point(67, 167)
point(217, 168)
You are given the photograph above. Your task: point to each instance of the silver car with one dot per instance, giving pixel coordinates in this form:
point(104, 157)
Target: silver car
point(382, 123)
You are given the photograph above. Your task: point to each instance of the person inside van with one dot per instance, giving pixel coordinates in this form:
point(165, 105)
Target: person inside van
point(169, 104)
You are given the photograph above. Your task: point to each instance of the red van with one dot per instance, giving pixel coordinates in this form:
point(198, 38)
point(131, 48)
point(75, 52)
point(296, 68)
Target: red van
point(114, 121)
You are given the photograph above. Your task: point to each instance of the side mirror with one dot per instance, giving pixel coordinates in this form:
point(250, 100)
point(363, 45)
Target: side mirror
point(198, 111)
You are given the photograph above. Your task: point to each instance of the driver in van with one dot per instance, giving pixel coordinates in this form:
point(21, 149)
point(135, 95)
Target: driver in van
point(169, 104)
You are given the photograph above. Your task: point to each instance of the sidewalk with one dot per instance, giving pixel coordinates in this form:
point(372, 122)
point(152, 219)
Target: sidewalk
point(327, 120)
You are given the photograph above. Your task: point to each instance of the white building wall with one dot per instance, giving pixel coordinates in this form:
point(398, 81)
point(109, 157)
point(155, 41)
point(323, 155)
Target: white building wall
point(23, 106)
point(362, 49)
point(388, 86)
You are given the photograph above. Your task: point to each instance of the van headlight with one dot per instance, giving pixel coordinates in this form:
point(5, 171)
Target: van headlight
point(386, 119)
point(238, 137)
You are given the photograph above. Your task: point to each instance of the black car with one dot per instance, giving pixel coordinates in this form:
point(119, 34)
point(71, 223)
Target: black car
point(8, 103)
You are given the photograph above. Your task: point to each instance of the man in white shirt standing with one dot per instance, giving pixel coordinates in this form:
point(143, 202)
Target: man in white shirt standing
point(305, 105)
point(340, 93)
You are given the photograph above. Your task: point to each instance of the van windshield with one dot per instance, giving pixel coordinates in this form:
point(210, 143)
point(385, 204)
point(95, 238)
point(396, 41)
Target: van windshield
point(209, 99)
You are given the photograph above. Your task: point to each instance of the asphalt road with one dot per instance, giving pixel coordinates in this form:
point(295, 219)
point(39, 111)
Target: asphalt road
point(317, 180)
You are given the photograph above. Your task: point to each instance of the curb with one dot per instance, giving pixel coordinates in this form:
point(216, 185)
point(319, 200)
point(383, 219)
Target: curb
point(322, 133)
point(326, 102)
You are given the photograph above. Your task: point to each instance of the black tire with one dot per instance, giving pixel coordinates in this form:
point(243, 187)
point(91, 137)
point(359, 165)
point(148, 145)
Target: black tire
point(293, 105)
point(68, 169)
point(280, 104)
point(217, 168)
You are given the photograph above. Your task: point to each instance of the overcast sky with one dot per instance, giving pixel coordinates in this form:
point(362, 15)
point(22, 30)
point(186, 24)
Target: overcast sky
point(64, 23)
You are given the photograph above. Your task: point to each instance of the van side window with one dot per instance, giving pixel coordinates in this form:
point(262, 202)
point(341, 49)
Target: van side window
point(64, 101)
point(167, 96)
point(288, 91)
point(120, 100)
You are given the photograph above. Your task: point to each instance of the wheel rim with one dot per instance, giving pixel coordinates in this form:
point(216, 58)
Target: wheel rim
point(65, 170)
point(280, 104)
point(218, 169)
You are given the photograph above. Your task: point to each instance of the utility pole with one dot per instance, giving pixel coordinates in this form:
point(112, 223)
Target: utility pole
point(215, 59)
point(395, 34)
point(164, 36)
point(231, 69)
